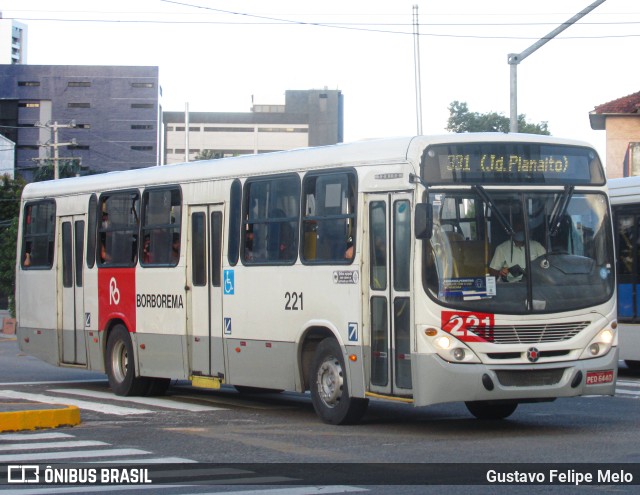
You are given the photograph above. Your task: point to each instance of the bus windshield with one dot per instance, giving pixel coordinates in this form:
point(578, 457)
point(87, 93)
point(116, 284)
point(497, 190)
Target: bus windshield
point(508, 252)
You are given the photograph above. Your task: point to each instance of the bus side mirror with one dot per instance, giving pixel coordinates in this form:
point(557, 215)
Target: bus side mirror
point(423, 221)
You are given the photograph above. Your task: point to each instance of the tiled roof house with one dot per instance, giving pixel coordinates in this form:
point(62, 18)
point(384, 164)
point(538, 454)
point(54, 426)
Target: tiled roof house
point(621, 120)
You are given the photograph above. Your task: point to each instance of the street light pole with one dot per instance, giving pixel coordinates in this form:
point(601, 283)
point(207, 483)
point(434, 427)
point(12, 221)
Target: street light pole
point(515, 58)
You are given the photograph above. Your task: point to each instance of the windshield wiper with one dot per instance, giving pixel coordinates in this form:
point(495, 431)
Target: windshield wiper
point(559, 210)
point(501, 218)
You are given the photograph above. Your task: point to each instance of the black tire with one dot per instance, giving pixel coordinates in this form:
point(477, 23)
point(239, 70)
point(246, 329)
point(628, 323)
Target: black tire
point(632, 365)
point(329, 387)
point(157, 386)
point(120, 365)
point(491, 409)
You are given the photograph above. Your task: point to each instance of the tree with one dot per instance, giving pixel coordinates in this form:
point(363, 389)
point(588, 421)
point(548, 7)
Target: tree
point(66, 168)
point(462, 120)
point(208, 155)
point(10, 192)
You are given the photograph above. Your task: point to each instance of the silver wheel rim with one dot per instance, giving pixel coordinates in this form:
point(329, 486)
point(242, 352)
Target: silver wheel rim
point(329, 381)
point(119, 361)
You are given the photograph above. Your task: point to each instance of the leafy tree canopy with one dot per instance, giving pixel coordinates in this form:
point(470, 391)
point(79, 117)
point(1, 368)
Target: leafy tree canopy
point(463, 120)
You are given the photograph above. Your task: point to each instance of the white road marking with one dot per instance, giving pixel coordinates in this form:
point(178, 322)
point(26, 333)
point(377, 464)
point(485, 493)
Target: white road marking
point(91, 406)
point(147, 401)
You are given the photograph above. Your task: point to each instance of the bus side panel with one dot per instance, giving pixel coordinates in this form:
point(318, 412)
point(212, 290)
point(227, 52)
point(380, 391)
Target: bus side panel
point(264, 364)
point(160, 322)
point(37, 314)
point(629, 341)
point(270, 306)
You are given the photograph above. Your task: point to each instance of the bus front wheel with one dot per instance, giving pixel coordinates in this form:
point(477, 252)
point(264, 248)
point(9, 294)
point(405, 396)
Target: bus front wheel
point(491, 409)
point(120, 365)
point(330, 389)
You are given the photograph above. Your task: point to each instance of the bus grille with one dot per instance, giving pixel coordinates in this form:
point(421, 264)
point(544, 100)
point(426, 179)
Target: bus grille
point(533, 334)
point(526, 378)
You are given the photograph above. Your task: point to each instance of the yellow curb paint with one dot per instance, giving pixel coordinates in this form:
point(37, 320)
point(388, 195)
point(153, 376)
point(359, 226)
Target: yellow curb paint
point(42, 418)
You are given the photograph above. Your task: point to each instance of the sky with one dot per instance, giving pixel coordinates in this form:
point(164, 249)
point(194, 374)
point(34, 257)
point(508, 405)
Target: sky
point(218, 55)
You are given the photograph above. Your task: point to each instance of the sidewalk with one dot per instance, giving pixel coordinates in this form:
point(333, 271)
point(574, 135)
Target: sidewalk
point(30, 415)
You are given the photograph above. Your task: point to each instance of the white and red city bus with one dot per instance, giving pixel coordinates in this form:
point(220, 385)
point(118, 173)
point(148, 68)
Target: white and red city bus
point(351, 271)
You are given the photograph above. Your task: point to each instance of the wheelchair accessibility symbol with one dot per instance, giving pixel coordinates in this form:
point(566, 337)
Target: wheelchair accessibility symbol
point(228, 282)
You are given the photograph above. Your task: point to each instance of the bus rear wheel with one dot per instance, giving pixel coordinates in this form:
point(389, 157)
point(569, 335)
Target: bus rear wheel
point(491, 409)
point(329, 387)
point(120, 365)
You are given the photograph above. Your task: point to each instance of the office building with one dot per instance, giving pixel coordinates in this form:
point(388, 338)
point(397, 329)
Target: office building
point(307, 118)
point(13, 41)
point(111, 114)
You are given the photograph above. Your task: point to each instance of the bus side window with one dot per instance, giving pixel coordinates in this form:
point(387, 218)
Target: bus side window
point(38, 234)
point(161, 219)
point(270, 220)
point(118, 232)
point(329, 216)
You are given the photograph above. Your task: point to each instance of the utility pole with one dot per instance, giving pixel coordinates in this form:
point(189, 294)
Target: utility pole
point(515, 58)
point(55, 144)
point(416, 63)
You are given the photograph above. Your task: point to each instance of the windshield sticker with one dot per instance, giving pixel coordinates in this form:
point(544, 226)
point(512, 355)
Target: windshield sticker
point(468, 288)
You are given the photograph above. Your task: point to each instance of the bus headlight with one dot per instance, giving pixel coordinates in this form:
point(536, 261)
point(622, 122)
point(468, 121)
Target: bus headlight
point(449, 348)
point(600, 344)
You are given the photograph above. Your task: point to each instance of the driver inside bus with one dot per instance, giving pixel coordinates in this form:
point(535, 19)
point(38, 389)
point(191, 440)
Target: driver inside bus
point(509, 260)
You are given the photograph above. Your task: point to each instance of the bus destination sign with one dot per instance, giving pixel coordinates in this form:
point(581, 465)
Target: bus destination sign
point(511, 163)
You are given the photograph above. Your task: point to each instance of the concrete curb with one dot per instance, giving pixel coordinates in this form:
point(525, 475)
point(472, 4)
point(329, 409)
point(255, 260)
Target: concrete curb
point(30, 416)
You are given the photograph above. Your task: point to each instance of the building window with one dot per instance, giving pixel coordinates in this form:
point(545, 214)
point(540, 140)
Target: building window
point(79, 84)
point(79, 105)
point(634, 158)
point(228, 129)
point(29, 83)
point(33, 104)
point(142, 85)
point(142, 148)
point(141, 126)
point(142, 105)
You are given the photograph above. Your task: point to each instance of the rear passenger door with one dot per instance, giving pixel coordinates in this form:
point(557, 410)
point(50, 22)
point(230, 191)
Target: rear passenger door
point(204, 284)
point(71, 286)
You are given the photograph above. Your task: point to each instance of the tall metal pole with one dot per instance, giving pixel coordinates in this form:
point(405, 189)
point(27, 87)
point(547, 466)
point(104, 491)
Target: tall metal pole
point(515, 58)
point(186, 132)
point(416, 63)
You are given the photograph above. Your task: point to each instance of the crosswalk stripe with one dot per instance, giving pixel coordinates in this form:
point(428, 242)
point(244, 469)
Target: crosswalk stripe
point(91, 406)
point(72, 454)
point(627, 383)
point(147, 401)
point(33, 436)
point(627, 392)
point(51, 445)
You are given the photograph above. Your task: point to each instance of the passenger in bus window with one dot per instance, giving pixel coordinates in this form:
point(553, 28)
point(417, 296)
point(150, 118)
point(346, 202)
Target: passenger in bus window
point(348, 254)
point(146, 250)
point(27, 255)
point(175, 248)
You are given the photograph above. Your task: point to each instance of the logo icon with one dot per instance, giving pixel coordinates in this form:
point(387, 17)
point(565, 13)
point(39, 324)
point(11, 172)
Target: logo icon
point(114, 292)
point(229, 285)
point(23, 474)
point(533, 354)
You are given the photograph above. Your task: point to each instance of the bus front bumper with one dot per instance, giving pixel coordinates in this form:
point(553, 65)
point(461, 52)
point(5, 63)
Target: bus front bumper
point(438, 381)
